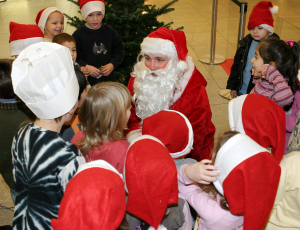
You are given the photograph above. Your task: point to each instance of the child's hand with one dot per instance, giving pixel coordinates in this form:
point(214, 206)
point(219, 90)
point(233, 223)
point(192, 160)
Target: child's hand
point(233, 94)
point(201, 172)
point(263, 70)
point(107, 69)
point(85, 71)
point(94, 72)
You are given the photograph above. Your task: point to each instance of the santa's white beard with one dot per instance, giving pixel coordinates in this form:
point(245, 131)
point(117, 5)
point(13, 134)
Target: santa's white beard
point(155, 93)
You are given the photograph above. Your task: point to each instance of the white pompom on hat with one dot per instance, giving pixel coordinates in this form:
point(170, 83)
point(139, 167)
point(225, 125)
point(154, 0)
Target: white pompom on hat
point(43, 77)
point(170, 43)
point(90, 6)
point(22, 35)
point(43, 15)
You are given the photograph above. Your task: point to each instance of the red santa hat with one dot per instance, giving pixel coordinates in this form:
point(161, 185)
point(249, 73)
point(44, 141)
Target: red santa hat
point(43, 15)
point(261, 119)
point(249, 179)
point(170, 43)
point(90, 6)
point(94, 199)
point(261, 15)
point(173, 129)
point(151, 180)
point(22, 35)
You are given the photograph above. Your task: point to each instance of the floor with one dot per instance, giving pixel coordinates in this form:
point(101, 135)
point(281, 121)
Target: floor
point(195, 16)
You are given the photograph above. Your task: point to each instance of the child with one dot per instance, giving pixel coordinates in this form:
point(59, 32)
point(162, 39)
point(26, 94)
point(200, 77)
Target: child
point(99, 46)
point(261, 27)
point(210, 205)
point(103, 115)
point(13, 112)
point(68, 41)
point(97, 191)
point(75, 126)
point(43, 162)
point(51, 22)
point(151, 181)
point(277, 80)
point(22, 35)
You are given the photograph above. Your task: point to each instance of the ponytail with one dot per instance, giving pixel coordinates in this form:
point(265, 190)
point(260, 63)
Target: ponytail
point(284, 55)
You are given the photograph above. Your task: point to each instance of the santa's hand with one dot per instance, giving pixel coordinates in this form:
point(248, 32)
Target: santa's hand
point(133, 135)
point(94, 72)
point(107, 69)
point(263, 70)
point(202, 172)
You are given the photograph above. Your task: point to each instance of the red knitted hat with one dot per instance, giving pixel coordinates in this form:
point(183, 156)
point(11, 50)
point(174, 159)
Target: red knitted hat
point(171, 43)
point(262, 15)
point(94, 199)
point(22, 35)
point(151, 180)
point(249, 179)
point(261, 119)
point(90, 6)
point(43, 15)
point(173, 129)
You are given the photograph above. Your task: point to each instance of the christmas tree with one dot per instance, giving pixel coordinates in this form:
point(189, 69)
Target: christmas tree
point(133, 20)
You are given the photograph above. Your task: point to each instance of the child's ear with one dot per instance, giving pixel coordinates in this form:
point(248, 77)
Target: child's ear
point(72, 111)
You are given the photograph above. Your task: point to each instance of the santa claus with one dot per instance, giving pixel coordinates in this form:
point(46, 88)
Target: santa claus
point(165, 78)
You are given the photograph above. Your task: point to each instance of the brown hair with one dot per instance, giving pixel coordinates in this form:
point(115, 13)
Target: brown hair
point(6, 87)
point(63, 37)
point(211, 189)
point(103, 114)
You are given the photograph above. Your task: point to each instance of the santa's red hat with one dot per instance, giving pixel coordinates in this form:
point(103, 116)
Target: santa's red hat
point(151, 180)
point(173, 129)
point(261, 15)
point(170, 43)
point(43, 15)
point(261, 119)
point(90, 6)
point(249, 179)
point(94, 199)
point(22, 35)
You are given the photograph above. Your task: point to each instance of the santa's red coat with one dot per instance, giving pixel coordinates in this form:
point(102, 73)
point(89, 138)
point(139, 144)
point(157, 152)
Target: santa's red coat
point(194, 104)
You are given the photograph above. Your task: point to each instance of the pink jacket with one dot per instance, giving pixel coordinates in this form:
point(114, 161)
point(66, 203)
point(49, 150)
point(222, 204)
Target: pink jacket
point(212, 216)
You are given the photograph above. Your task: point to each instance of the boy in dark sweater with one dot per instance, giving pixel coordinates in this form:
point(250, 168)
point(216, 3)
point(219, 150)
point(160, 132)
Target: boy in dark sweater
point(261, 27)
point(99, 46)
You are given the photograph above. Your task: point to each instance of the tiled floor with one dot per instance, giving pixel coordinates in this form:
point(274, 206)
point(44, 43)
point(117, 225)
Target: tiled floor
point(195, 16)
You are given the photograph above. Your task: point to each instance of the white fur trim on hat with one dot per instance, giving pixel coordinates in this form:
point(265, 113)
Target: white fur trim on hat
point(91, 7)
point(159, 46)
point(189, 146)
point(268, 28)
point(98, 164)
point(17, 46)
point(45, 15)
point(44, 79)
point(235, 114)
point(274, 9)
point(236, 150)
point(160, 227)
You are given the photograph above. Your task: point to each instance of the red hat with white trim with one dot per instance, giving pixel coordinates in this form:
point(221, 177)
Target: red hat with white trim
point(173, 129)
point(261, 119)
point(261, 15)
point(43, 15)
point(90, 6)
point(151, 180)
point(22, 35)
point(170, 43)
point(94, 199)
point(249, 179)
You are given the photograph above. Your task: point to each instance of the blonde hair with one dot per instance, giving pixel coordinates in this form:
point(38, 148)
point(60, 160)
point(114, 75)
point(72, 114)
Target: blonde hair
point(103, 114)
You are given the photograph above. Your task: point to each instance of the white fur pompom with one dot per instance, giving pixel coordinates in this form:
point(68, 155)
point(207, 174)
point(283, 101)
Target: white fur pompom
point(160, 227)
point(274, 9)
point(298, 76)
point(182, 66)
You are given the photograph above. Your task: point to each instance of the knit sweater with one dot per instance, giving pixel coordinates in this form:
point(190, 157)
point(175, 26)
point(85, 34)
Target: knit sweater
point(275, 87)
point(12, 115)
